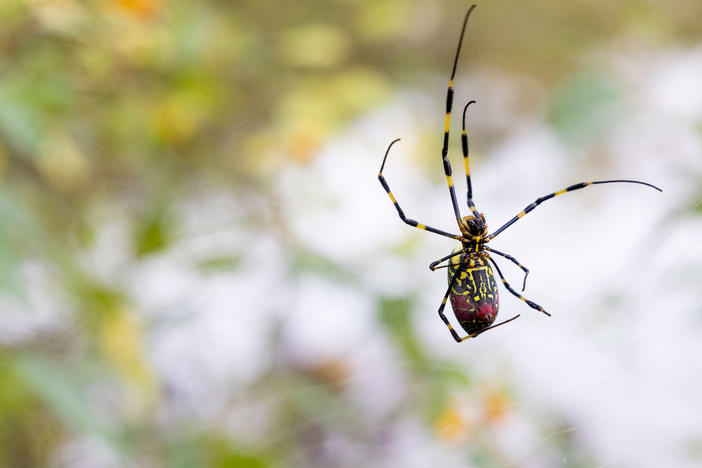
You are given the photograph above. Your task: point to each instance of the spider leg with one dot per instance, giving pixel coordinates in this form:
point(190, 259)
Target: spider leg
point(531, 304)
point(492, 326)
point(449, 104)
point(401, 213)
point(513, 260)
point(432, 265)
point(443, 305)
point(464, 146)
point(443, 317)
point(540, 200)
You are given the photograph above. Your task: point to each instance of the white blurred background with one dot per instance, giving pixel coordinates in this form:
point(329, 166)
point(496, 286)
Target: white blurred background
point(200, 268)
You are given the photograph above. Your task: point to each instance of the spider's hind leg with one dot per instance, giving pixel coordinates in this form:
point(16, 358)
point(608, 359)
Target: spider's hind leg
point(443, 306)
point(513, 260)
point(433, 265)
point(531, 304)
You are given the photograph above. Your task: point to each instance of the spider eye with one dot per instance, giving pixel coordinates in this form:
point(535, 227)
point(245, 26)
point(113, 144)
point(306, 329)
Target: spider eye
point(473, 225)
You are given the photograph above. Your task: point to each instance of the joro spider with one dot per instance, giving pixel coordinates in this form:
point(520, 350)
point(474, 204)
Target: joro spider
point(471, 283)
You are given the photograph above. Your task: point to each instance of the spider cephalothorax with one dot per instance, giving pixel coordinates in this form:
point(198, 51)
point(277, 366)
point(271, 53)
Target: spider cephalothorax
point(472, 285)
point(474, 227)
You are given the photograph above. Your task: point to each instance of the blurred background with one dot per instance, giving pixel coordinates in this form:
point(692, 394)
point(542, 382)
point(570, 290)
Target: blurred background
point(198, 266)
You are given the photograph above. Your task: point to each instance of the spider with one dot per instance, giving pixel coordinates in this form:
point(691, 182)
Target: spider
point(472, 286)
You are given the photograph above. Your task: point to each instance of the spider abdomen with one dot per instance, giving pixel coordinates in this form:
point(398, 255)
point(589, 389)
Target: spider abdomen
point(474, 295)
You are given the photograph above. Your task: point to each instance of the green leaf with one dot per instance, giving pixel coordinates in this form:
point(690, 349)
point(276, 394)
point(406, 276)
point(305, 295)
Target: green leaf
point(62, 392)
point(21, 124)
point(219, 264)
point(9, 264)
point(154, 234)
point(395, 315)
point(308, 261)
point(29, 435)
point(214, 451)
point(17, 228)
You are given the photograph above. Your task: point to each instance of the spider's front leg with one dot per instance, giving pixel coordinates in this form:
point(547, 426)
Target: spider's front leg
point(401, 213)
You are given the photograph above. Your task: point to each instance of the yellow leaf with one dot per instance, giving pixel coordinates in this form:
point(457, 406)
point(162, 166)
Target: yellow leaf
point(121, 344)
point(62, 163)
point(317, 45)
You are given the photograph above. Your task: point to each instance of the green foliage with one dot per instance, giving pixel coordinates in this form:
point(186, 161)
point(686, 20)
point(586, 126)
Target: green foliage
point(214, 451)
point(61, 390)
point(438, 377)
point(28, 432)
point(395, 316)
point(305, 260)
point(219, 264)
point(153, 234)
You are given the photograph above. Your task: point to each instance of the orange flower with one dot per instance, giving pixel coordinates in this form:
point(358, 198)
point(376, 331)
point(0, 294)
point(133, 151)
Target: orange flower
point(139, 7)
point(450, 425)
point(496, 404)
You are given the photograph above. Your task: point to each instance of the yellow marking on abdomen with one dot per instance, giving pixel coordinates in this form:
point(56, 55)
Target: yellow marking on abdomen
point(392, 197)
point(560, 192)
point(448, 119)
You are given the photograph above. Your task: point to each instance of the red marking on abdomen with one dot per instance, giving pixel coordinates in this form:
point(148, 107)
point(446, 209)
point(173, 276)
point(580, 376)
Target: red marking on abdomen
point(486, 311)
point(473, 317)
point(463, 308)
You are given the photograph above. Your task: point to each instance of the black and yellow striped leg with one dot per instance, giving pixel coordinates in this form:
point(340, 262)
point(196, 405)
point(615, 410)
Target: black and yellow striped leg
point(491, 327)
point(401, 213)
point(466, 163)
point(443, 306)
point(432, 265)
point(513, 260)
point(531, 304)
point(448, 324)
point(449, 104)
point(540, 200)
